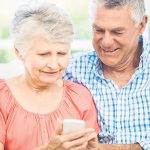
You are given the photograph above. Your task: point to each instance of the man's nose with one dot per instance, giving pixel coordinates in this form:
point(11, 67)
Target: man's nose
point(107, 40)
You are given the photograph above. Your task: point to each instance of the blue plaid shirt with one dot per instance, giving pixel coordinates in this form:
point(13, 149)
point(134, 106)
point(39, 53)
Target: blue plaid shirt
point(123, 113)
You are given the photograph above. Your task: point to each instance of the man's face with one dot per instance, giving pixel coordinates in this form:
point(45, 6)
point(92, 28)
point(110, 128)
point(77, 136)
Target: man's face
point(115, 36)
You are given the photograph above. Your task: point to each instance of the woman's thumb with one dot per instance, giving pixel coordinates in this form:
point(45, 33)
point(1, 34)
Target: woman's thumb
point(59, 128)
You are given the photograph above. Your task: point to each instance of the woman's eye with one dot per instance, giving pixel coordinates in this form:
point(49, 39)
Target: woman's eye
point(43, 54)
point(61, 53)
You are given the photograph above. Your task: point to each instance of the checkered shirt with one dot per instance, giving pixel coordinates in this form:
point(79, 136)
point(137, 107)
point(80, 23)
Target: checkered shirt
point(123, 113)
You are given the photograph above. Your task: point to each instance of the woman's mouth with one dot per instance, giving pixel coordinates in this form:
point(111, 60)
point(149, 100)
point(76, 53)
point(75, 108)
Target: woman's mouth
point(50, 72)
point(110, 50)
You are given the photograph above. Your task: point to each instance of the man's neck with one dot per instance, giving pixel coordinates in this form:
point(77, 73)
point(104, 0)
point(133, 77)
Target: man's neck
point(119, 77)
point(122, 74)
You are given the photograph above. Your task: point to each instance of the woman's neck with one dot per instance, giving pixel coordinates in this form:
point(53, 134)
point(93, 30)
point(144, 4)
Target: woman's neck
point(39, 87)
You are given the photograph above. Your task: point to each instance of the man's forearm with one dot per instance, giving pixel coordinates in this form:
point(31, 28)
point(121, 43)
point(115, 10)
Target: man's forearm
point(119, 147)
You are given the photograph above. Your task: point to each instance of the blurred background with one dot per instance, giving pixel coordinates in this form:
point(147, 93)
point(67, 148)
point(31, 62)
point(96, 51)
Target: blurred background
point(79, 11)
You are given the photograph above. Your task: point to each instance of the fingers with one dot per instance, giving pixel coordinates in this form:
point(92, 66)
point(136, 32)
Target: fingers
point(1, 146)
point(92, 141)
point(78, 140)
point(92, 136)
point(81, 147)
point(76, 144)
point(71, 141)
point(76, 135)
point(58, 143)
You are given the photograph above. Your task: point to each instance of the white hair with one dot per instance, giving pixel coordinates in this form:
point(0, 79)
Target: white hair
point(137, 7)
point(44, 18)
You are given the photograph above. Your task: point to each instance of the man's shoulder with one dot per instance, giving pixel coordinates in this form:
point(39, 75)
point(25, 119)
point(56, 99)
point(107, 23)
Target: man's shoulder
point(146, 53)
point(145, 59)
point(148, 48)
point(80, 66)
point(84, 57)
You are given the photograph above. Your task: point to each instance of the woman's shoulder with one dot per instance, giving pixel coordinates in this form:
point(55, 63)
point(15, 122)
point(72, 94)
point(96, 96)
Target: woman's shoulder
point(6, 97)
point(78, 92)
point(75, 86)
point(3, 87)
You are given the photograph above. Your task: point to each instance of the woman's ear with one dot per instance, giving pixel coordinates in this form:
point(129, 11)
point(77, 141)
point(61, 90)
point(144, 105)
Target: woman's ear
point(142, 25)
point(19, 54)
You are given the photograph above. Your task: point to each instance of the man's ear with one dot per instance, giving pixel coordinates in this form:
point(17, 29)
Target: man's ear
point(19, 54)
point(142, 25)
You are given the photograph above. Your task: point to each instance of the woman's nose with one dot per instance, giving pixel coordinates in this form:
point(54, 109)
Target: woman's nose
point(52, 62)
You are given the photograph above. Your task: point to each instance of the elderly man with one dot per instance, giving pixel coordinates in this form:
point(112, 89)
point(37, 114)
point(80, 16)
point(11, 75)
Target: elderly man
point(118, 72)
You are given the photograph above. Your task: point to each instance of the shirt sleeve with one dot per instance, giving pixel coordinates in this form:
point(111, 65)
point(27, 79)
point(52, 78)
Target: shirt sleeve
point(73, 70)
point(146, 143)
point(90, 116)
point(3, 107)
point(82, 101)
point(90, 111)
point(2, 128)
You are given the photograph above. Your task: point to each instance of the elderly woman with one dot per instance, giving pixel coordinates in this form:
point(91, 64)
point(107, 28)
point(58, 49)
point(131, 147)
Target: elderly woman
point(31, 103)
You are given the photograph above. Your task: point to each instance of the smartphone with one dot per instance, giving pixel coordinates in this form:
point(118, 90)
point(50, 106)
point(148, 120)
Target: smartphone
point(72, 125)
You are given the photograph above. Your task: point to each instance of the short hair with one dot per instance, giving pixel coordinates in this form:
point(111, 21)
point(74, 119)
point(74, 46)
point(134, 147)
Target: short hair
point(137, 7)
point(42, 17)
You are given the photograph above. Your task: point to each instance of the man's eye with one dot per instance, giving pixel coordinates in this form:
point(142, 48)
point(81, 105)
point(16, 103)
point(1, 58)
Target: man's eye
point(98, 30)
point(117, 33)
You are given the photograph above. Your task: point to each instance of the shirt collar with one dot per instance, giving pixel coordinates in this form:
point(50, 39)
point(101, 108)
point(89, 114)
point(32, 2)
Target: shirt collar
point(145, 53)
point(98, 67)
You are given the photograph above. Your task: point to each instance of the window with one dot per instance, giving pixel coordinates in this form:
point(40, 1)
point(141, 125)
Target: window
point(78, 9)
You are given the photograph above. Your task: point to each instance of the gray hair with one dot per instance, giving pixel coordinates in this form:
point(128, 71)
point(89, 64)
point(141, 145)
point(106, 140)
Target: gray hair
point(137, 7)
point(42, 18)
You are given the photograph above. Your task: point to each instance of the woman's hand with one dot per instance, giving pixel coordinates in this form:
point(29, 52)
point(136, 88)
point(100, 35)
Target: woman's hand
point(92, 141)
point(72, 141)
point(81, 140)
point(1, 146)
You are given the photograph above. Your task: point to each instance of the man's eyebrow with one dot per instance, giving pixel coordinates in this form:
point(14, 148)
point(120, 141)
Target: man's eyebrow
point(114, 29)
point(119, 29)
point(95, 26)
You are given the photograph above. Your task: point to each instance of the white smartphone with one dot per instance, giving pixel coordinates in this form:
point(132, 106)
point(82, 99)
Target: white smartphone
point(72, 125)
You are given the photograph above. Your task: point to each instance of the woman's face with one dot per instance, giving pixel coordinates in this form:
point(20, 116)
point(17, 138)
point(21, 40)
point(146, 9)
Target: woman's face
point(46, 61)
